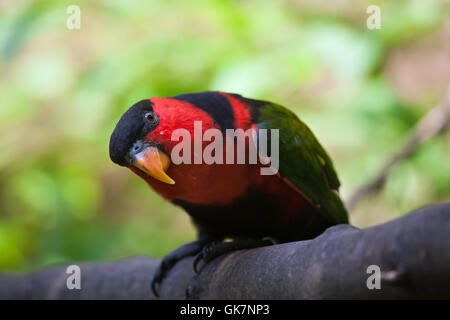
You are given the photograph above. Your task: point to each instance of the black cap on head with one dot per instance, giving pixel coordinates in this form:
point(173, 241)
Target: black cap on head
point(130, 128)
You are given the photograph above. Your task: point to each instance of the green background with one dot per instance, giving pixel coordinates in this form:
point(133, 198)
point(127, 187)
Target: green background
point(62, 92)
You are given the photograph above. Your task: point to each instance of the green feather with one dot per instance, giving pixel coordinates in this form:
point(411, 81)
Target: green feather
point(304, 162)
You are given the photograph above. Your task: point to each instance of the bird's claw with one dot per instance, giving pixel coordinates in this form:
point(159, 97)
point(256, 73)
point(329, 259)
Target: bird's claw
point(197, 259)
point(155, 280)
point(189, 249)
point(205, 255)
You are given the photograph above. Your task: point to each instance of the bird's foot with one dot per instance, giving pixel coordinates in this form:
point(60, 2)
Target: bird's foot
point(215, 249)
point(189, 249)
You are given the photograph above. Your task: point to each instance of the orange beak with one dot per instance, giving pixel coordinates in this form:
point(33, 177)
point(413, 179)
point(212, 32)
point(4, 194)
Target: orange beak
point(154, 163)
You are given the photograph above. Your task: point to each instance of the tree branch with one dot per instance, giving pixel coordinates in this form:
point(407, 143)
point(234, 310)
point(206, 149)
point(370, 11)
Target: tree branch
point(434, 122)
point(413, 253)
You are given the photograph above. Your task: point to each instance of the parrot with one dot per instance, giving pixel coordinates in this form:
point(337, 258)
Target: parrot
point(233, 206)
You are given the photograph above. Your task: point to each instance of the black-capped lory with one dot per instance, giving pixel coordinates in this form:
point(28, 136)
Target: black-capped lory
point(230, 200)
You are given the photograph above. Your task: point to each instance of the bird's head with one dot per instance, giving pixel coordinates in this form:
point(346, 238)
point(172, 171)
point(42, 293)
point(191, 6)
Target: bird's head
point(142, 141)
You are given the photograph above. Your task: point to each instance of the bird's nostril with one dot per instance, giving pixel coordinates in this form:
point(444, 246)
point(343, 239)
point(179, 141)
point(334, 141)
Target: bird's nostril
point(137, 147)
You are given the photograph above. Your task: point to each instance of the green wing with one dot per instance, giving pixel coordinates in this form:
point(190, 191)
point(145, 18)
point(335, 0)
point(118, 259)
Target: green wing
point(304, 162)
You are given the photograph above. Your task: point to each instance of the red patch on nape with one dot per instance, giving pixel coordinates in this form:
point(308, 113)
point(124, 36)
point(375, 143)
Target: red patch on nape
point(241, 112)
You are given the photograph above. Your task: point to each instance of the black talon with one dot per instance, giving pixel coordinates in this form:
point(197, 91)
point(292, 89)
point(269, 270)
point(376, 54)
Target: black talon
point(153, 286)
point(197, 259)
point(202, 255)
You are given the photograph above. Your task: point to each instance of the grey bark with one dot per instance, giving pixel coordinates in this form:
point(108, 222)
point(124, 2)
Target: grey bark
point(413, 253)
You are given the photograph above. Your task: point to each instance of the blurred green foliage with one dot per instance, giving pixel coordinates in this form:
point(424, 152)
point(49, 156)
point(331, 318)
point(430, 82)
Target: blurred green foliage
point(62, 91)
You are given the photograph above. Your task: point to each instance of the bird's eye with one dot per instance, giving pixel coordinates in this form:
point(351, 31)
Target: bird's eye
point(151, 117)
